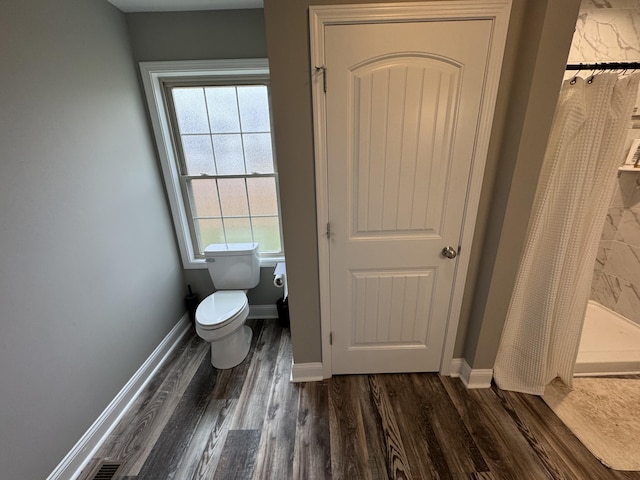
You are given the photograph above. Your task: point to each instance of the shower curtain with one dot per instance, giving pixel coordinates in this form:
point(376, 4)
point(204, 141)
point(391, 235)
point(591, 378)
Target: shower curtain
point(542, 331)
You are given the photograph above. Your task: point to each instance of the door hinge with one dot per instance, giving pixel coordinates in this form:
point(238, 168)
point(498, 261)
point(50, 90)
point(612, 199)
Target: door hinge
point(328, 231)
point(322, 69)
point(330, 338)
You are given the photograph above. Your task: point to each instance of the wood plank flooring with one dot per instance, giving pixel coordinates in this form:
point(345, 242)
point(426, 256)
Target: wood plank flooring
point(196, 422)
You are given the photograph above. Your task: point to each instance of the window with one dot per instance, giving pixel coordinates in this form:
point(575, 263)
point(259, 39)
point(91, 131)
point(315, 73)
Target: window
point(223, 135)
point(213, 128)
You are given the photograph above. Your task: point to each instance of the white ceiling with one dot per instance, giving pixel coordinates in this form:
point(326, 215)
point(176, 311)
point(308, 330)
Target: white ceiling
point(182, 5)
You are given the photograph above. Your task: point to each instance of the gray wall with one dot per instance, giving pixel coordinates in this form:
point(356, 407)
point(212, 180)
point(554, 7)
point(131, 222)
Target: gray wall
point(165, 36)
point(90, 280)
point(523, 117)
point(264, 294)
point(209, 35)
point(539, 45)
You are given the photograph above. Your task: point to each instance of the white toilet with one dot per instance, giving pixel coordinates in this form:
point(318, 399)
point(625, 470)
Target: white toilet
point(234, 268)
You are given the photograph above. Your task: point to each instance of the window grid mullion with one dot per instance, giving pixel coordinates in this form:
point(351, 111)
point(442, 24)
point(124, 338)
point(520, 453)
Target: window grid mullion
point(244, 157)
point(213, 217)
point(204, 176)
point(213, 150)
point(246, 192)
point(224, 228)
point(217, 134)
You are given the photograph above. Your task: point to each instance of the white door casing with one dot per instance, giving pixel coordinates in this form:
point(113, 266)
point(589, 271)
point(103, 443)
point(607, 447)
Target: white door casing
point(401, 140)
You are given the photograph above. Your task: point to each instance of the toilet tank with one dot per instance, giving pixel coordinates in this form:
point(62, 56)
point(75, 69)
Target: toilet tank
point(233, 266)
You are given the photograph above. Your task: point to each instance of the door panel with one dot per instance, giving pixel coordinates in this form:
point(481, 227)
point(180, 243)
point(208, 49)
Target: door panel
point(388, 307)
point(402, 104)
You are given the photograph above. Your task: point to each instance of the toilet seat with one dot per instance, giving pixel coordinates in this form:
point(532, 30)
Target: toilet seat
point(220, 309)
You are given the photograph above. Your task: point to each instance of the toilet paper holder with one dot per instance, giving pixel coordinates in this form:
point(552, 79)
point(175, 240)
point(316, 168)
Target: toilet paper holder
point(280, 277)
point(280, 281)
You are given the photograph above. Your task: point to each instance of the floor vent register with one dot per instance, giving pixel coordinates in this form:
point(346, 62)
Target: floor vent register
point(105, 471)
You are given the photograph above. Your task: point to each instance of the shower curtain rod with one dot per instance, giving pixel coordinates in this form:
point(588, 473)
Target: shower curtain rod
point(605, 66)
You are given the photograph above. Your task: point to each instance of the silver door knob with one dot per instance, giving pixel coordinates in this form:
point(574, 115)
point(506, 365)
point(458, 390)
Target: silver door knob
point(449, 252)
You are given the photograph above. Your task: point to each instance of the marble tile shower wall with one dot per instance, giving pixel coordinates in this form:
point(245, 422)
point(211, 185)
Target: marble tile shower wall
point(609, 31)
point(616, 279)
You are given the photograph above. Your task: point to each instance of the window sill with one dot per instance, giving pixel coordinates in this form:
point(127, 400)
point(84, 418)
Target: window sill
point(267, 262)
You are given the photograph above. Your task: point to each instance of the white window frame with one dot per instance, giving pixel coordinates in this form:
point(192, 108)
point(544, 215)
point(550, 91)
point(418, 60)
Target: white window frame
point(154, 75)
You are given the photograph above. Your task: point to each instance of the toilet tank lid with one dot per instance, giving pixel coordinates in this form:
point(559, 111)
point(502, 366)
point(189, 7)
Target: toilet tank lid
point(220, 249)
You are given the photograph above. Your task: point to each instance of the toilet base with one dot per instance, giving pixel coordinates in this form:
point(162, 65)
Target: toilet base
point(231, 350)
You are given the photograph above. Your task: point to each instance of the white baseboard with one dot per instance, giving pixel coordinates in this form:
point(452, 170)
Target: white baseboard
point(307, 372)
point(475, 378)
point(72, 464)
point(455, 367)
point(600, 368)
point(452, 369)
point(263, 311)
point(471, 378)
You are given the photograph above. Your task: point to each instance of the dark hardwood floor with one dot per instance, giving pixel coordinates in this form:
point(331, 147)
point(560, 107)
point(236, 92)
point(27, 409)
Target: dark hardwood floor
point(196, 422)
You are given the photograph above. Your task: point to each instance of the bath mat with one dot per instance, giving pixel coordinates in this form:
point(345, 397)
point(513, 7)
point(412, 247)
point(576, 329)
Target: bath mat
point(604, 413)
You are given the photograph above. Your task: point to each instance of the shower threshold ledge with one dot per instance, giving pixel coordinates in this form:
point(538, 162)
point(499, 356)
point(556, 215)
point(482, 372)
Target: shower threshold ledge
point(610, 344)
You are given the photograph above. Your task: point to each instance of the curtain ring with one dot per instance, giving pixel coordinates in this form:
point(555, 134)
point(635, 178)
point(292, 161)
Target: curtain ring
point(574, 79)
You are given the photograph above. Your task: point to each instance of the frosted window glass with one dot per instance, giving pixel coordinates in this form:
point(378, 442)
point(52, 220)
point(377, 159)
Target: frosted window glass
point(191, 111)
point(223, 109)
point(262, 196)
point(229, 155)
point(238, 230)
point(198, 154)
point(225, 131)
point(233, 197)
point(209, 231)
point(266, 231)
point(205, 198)
point(254, 109)
point(258, 154)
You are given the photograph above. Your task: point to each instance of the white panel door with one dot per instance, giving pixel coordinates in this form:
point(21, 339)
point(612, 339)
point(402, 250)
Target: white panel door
point(403, 102)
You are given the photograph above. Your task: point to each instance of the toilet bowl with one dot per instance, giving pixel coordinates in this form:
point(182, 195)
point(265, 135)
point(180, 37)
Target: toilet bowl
point(220, 320)
point(220, 317)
